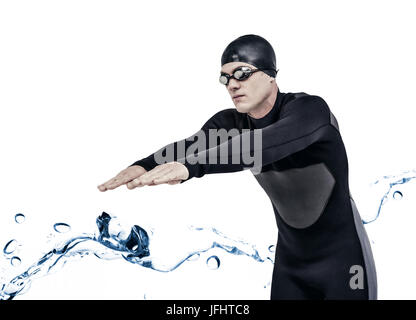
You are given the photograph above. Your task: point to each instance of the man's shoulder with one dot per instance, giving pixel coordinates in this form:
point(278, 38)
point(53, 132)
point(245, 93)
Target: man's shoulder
point(302, 97)
point(227, 118)
point(296, 100)
point(230, 112)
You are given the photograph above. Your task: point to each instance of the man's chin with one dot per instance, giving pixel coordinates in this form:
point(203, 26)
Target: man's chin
point(242, 108)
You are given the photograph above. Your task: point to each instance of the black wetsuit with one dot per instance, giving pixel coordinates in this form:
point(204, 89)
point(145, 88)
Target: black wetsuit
point(304, 171)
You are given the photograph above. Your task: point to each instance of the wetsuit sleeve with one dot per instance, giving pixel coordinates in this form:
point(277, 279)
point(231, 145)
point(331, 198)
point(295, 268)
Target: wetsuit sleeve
point(303, 121)
point(225, 119)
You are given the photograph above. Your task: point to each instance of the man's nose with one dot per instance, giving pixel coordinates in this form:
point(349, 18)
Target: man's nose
point(233, 84)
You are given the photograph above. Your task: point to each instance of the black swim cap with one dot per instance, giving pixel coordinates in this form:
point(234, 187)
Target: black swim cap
point(251, 49)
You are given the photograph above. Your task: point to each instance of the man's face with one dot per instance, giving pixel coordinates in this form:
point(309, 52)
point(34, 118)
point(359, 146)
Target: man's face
point(251, 93)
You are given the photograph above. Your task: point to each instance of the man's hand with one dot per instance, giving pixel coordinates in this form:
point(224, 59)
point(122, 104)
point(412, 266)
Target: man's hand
point(170, 173)
point(123, 177)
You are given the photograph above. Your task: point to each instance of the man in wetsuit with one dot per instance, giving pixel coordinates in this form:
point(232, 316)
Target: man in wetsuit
point(323, 250)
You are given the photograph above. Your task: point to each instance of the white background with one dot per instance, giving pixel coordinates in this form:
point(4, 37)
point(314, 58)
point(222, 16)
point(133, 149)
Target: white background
point(89, 87)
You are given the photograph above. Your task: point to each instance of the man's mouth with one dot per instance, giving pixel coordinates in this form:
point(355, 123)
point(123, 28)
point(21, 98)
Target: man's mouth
point(238, 96)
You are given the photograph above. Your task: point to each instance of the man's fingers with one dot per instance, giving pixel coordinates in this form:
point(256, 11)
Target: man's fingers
point(106, 185)
point(115, 182)
point(123, 177)
point(164, 173)
point(134, 184)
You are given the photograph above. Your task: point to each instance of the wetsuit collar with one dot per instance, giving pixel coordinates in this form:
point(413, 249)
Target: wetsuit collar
point(269, 118)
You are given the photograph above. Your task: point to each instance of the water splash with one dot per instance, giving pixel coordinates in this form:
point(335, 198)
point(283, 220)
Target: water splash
point(194, 257)
point(390, 183)
point(133, 246)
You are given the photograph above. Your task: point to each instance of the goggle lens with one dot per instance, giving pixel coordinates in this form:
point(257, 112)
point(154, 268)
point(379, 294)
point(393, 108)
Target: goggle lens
point(239, 74)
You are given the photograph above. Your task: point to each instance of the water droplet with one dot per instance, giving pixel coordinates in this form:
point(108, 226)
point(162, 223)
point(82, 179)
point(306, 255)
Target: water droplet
point(272, 248)
point(397, 195)
point(19, 218)
point(61, 227)
point(15, 261)
point(213, 262)
point(10, 247)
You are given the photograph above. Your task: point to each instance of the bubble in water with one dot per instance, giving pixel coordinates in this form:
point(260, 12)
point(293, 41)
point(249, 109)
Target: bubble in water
point(10, 247)
point(397, 195)
point(272, 248)
point(213, 262)
point(15, 261)
point(19, 218)
point(61, 227)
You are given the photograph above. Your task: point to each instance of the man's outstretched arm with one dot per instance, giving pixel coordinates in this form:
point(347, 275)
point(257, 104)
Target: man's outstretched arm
point(152, 173)
point(304, 121)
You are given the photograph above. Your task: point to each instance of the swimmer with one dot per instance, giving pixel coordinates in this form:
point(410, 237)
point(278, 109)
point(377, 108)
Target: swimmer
point(323, 251)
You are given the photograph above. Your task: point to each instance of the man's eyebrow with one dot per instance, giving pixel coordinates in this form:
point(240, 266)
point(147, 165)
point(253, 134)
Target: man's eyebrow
point(243, 65)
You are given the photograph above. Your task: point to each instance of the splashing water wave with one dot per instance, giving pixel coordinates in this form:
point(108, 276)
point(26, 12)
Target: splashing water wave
point(108, 245)
point(136, 246)
point(389, 183)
